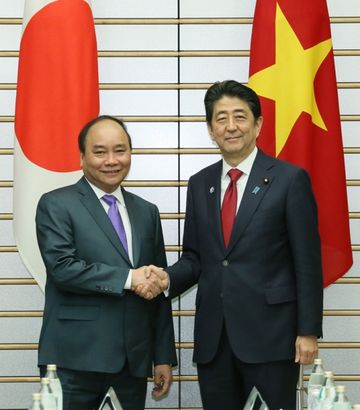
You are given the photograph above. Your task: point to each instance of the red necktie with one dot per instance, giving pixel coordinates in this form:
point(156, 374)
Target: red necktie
point(228, 210)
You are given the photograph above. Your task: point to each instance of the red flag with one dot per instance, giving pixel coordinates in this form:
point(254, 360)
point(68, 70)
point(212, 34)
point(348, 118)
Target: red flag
point(57, 93)
point(292, 69)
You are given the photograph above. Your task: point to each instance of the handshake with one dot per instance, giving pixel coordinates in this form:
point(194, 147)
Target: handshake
point(149, 281)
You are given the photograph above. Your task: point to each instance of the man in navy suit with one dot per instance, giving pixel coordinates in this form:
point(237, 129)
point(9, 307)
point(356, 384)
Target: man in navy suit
point(95, 328)
point(259, 298)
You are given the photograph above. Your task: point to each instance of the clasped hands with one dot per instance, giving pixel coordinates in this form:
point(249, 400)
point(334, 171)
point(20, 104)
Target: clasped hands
point(149, 281)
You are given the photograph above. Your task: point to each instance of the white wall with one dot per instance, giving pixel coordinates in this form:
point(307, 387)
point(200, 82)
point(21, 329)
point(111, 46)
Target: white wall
point(21, 304)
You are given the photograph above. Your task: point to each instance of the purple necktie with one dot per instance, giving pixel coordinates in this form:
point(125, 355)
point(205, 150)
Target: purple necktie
point(116, 220)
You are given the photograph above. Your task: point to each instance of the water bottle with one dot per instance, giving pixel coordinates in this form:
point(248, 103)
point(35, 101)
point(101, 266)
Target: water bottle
point(48, 399)
point(316, 380)
point(55, 384)
point(327, 392)
point(36, 402)
point(341, 402)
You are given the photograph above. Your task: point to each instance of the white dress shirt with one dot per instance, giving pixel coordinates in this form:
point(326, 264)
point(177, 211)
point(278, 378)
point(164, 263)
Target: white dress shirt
point(245, 167)
point(125, 219)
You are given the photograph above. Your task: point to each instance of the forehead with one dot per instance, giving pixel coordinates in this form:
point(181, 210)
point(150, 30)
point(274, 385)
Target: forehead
point(227, 104)
point(106, 132)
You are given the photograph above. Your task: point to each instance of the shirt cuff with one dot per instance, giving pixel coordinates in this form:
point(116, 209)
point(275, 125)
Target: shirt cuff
point(128, 280)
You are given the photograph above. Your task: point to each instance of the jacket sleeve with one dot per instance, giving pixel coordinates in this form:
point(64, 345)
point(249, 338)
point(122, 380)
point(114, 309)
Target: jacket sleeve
point(185, 273)
point(302, 224)
point(164, 337)
point(65, 267)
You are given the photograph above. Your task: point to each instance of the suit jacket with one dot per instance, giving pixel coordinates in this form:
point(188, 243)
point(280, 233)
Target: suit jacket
point(266, 287)
point(91, 323)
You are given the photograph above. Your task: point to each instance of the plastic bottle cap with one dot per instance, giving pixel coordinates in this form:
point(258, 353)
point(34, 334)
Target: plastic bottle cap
point(51, 367)
point(45, 380)
point(318, 361)
point(328, 374)
point(356, 407)
point(341, 388)
point(36, 396)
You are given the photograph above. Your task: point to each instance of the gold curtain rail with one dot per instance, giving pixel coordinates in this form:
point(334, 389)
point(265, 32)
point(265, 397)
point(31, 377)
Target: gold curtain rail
point(339, 345)
point(172, 21)
point(10, 216)
point(21, 313)
point(168, 248)
point(167, 86)
point(185, 345)
point(176, 184)
point(28, 281)
point(17, 281)
point(176, 378)
point(348, 281)
point(155, 183)
point(174, 215)
point(19, 379)
point(176, 313)
point(8, 249)
point(341, 312)
point(152, 184)
point(342, 378)
point(18, 346)
point(179, 54)
point(327, 312)
point(172, 118)
point(179, 151)
point(9, 184)
point(322, 345)
point(353, 182)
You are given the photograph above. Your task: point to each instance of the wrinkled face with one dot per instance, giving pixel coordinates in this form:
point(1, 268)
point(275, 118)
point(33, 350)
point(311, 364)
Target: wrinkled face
point(234, 128)
point(107, 157)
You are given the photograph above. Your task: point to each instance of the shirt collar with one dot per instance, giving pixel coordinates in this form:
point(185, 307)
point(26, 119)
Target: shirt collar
point(244, 166)
point(100, 193)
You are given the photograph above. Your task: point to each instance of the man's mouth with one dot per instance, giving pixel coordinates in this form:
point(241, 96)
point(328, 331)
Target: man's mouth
point(233, 138)
point(111, 172)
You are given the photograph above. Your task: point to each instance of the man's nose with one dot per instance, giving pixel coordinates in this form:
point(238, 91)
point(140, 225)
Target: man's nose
point(231, 125)
point(111, 158)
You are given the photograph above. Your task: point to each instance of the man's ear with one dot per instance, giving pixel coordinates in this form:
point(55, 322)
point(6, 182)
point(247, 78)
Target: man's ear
point(81, 159)
point(210, 131)
point(259, 123)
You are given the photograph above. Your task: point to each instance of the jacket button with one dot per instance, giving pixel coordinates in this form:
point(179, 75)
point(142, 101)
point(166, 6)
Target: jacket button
point(225, 263)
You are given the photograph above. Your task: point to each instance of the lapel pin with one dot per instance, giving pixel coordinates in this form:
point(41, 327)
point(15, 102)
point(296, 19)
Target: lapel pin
point(266, 180)
point(212, 190)
point(255, 190)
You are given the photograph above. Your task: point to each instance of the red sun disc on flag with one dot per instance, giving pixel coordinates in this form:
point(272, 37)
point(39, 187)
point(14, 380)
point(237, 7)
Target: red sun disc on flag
point(56, 93)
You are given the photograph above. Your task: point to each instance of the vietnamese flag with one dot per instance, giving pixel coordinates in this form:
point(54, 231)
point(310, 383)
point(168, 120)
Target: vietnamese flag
point(292, 70)
point(57, 93)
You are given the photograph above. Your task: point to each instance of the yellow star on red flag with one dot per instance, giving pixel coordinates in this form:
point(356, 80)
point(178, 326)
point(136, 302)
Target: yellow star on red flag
point(290, 81)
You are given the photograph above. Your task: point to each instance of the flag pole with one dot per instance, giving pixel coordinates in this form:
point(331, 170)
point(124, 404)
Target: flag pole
point(300, 389)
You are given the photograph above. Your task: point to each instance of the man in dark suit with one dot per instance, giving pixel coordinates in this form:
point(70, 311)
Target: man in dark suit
point(95, 328)
point(251, 243)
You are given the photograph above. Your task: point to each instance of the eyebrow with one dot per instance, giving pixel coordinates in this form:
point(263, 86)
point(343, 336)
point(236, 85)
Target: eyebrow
point(97, 146)
point(240, 110)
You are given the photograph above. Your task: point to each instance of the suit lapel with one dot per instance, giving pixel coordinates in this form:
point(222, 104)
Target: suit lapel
point(96, 210)
point(213, 195)
point(135, 223)
point(258, 183)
